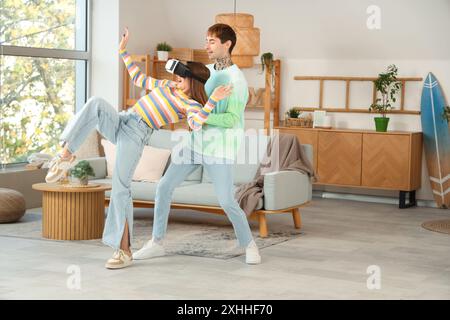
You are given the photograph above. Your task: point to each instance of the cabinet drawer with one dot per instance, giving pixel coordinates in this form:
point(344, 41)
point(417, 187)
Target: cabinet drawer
point(385, 161)
point(339, 158)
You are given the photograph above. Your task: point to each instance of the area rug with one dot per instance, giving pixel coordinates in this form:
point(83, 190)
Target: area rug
point(212, 240)
point(442, 226)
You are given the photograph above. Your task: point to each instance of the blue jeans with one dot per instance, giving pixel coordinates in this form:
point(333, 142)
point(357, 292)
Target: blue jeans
point(222, 177)
point(128, 131)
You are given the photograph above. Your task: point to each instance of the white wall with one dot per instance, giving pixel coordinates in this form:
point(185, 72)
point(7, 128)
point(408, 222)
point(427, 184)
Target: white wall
point(146, 21)
point(105, 63)
point(321, 37)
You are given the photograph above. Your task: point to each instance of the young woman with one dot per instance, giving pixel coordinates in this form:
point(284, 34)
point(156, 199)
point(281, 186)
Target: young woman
point(168, 102)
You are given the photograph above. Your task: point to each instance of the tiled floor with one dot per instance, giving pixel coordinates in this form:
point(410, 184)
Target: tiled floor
point(329, 261)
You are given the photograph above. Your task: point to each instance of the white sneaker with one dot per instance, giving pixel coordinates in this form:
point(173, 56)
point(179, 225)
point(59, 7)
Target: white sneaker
point(252, 254)
point(149, 250)
point(58, 168)
point(119, 260)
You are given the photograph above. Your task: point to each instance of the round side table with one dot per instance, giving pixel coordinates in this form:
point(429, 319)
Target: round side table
point(72, 213)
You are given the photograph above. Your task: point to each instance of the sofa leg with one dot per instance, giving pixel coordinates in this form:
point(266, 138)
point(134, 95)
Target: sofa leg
point(263, 233)
point(297, 218)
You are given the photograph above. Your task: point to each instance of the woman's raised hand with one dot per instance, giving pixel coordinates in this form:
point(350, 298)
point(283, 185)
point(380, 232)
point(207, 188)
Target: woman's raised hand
point(221, 92)
point(124, 40)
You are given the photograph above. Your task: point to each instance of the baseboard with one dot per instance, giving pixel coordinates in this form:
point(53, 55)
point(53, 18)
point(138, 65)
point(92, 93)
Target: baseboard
point(367, 198)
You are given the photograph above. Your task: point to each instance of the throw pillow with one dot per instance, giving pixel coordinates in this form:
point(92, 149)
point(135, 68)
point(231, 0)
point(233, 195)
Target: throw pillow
point(150, 167)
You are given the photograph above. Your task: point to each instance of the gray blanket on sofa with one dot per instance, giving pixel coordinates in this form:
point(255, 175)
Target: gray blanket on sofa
point(284, 153)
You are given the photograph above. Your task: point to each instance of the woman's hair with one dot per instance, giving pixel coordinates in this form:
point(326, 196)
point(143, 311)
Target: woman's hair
point(224, 32)
point(198, 88)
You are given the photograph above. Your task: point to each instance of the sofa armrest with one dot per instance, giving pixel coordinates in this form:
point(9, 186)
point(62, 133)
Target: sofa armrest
point(99, 166)
point(284, 189)
point(308, 149)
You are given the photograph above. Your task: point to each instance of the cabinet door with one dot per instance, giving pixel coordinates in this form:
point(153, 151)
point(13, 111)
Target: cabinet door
point(339, 158)
point(386, 161)
point(305, 136)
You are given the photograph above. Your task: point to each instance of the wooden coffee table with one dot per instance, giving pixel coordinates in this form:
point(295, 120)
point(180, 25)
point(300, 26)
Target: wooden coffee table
point(72, 213)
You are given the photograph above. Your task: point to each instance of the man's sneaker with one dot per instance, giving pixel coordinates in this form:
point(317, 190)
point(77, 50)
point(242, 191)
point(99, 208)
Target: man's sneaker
point(119, 260)
point(252, 254)
point(58, 168)
point(150, 250)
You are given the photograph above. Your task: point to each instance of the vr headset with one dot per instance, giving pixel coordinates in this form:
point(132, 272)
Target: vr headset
point(176, 67)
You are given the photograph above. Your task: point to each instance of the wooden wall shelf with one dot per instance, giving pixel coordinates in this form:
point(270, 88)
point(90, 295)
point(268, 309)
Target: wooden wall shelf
point(348, 80)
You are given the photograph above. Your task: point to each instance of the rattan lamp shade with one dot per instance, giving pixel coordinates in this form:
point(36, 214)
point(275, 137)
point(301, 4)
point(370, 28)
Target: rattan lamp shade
point(247, 45)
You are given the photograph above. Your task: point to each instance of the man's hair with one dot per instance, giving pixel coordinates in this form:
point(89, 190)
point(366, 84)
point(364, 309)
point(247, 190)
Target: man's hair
point(224, 32)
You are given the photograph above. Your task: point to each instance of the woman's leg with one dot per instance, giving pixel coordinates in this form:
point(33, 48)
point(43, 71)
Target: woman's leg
point(98, 114)
point(131, 138)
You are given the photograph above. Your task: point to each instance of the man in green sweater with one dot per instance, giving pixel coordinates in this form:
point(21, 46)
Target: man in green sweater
point(215, 147)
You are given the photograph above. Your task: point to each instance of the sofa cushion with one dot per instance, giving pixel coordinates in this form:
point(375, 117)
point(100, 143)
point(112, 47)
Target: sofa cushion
point(242, 173)
point(150, 167)
point(140, 190)
point(189, 194)
point(152, 164)
point(186, 193)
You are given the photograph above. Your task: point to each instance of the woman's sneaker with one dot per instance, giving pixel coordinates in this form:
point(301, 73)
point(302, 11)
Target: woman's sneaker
point(119, 260)
point(150, 250)
point(252, 254)
point(58, 168)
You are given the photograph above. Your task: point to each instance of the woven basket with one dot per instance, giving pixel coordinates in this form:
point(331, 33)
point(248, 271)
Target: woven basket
point(299, 122)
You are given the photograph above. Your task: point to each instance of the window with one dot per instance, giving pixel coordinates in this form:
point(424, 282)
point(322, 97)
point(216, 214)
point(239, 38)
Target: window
point(43, 73)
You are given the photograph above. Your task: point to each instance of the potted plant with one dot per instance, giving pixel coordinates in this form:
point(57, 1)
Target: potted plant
point(82, 170)
point(163, 51)
point(293, 113)
point(292, 116)
point(267, 62)
point(388, 85)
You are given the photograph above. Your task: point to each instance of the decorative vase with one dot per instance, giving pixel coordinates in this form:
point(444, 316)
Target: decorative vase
point(381, 124)
point(163, 55)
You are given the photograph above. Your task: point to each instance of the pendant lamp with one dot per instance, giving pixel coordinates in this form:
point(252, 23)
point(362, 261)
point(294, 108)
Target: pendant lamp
point(247, 44)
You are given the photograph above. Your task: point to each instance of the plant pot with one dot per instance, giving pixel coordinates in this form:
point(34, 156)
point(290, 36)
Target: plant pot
point(83, 181)
point(163, 55)
point(381, 124)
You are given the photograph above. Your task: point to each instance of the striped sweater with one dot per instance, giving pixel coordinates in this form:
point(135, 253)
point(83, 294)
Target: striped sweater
point(165, 103)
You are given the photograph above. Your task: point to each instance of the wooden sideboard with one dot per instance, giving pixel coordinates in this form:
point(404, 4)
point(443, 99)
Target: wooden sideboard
point(362, 158)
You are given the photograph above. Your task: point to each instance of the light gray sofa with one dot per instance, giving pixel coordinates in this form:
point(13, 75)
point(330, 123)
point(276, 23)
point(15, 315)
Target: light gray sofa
point(284, 191)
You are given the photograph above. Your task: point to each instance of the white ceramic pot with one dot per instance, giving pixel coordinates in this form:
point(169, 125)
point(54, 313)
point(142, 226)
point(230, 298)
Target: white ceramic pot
point(163, 55)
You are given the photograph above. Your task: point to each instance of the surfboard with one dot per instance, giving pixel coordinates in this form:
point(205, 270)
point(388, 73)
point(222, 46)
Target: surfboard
point(436, 138)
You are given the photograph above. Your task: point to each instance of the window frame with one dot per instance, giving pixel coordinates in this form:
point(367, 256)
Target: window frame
point(81, 93)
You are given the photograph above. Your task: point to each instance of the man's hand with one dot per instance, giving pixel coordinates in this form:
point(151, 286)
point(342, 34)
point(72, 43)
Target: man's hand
point(124, 40)
point(221, 92)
